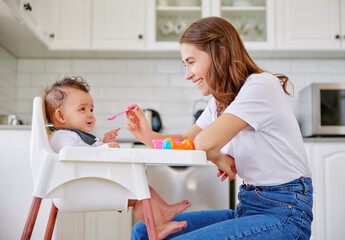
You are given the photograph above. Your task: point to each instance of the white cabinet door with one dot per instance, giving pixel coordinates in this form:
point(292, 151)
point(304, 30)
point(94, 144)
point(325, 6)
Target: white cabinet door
point(94, 226)
point(70, 26)
point(118, 25)
point(342, 23)
point(167, 20)
point(329, 198)
point(308, 24)
point(254, 20)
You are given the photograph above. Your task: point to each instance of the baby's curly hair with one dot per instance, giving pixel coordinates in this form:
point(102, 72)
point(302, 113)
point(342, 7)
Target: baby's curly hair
point(55, 95)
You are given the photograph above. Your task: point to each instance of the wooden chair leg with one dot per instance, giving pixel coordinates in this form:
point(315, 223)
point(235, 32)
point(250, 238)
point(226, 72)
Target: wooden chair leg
point(149, 219)
point(31, 219)
point(51, 222)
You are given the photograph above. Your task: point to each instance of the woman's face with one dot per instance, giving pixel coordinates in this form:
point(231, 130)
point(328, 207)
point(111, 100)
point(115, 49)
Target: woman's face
point(197, 64)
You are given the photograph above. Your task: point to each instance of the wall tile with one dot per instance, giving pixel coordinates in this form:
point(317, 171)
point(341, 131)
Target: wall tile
point(168, 66)
point(85, 65)
point(332, 66)
point(110, 66)
point(30, 65)
point(304, 66)
point(142, 66)
point(58, 65)
point(157, 84)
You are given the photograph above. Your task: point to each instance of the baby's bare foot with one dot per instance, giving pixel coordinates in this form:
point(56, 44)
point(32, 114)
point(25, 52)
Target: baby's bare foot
point(170, 227)
point(171, 211)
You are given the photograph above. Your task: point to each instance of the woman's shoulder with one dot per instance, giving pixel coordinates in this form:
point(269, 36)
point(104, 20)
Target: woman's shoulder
point(263, 78)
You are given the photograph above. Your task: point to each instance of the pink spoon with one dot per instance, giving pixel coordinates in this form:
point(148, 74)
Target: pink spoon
point(113, 117)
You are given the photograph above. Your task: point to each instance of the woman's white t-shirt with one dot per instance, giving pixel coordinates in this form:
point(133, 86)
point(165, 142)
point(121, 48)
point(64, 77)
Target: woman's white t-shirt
point(270, 151)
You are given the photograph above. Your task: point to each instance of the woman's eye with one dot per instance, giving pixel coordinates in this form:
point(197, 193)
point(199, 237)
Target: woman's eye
point(91, 110)
point(82, 109)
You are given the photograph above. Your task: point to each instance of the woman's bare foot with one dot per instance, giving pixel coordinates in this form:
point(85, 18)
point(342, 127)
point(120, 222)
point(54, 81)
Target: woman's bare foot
point(168, 228)
point(170, 211)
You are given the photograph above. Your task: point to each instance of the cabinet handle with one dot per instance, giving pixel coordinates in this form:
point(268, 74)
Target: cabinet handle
point(27, 7)
point(52, 35)
point(337, 36)
point(140, 36)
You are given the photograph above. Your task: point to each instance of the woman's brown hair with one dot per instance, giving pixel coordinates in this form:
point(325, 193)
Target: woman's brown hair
point(231, 64)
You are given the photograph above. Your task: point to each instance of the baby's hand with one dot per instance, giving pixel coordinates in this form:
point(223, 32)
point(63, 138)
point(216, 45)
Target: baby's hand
point(114, 145)
point(110, 136)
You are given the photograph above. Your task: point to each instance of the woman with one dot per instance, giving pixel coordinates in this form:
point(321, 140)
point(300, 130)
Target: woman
point(249, 124)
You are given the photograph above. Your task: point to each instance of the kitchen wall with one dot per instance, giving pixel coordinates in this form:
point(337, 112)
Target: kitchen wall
point(8, 68)
point(156, 83)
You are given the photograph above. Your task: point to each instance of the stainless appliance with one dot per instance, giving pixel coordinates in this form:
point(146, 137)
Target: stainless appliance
point(154, 119)
point(9, 119)
point(322, 109)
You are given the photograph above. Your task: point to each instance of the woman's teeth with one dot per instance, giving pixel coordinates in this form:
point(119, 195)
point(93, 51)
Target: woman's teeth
point(199, 81)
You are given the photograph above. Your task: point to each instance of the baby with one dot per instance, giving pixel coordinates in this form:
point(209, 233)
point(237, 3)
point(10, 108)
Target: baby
point(69, 108)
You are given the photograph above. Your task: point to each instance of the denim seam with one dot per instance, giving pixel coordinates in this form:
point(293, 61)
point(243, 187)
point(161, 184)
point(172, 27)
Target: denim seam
point(269, 200)
point(303, 198)
point(256, 231)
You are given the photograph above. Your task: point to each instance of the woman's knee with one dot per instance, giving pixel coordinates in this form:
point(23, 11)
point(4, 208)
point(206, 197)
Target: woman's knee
point(139, 232)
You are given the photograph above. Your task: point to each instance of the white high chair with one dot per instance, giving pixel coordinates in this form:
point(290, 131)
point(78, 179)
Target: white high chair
point(86, 179)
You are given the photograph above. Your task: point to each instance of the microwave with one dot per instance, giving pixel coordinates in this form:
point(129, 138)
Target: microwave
point(322, 109)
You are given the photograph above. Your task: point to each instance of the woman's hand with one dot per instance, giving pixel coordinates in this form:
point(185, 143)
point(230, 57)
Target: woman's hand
point(138, 125)
point(226, 167)
point(110, 136)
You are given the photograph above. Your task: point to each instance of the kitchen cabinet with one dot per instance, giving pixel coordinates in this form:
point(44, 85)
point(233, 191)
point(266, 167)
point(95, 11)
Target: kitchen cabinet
point(329, 198)
point(253, 19)
point(118, 25)
point(97, 25)
point(311, 25)
point(32, 13)
point(168, 19)
point(70, 25)
point(95, 225)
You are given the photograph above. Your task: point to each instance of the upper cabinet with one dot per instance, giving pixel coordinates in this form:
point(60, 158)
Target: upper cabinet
point(311, 24)
point(253, 19)
point(167, 20)
point(118, 25)
point(97, 25)
point(32, 13)
point(111, 27)
point(70, 25)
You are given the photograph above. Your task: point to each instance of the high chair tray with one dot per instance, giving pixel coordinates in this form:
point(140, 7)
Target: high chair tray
point(131, 155)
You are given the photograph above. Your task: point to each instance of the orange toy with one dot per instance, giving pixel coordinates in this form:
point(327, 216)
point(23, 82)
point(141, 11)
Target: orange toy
point(170, 143)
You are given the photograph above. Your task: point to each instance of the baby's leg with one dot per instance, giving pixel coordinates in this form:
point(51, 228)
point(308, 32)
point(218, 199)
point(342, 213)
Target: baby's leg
point(163, 228)
point(168, 211)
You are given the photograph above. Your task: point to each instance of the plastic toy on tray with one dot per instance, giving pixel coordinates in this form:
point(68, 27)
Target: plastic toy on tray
point(170, 143)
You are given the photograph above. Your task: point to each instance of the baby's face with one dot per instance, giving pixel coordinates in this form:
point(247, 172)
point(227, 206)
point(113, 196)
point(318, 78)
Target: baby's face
point(78, 110)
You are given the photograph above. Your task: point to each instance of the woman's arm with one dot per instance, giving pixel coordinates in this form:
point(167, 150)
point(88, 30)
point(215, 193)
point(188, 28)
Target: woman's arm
point(138, 125)
point(217, 134)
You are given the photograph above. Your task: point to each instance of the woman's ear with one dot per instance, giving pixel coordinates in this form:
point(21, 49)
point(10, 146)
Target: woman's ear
point(59, 115)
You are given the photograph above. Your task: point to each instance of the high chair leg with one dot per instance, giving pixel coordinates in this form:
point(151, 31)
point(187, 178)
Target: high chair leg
point(31, 219)
point(149, 219)
point(51, 222)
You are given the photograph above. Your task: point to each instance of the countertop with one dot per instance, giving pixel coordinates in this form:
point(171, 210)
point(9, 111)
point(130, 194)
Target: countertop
point(324, 139)
point(15, 127)
point(133, 140)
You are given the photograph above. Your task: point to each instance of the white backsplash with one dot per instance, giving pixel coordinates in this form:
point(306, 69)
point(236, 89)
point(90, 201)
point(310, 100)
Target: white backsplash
point(153, 83)
point(8, 69)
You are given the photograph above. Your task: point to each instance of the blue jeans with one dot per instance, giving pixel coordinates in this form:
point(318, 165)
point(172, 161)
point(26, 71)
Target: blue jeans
point(270, 212)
